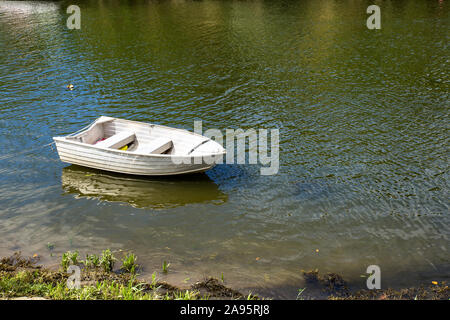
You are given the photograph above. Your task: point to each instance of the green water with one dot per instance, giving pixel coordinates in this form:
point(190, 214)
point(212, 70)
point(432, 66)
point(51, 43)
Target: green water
point(362, 114)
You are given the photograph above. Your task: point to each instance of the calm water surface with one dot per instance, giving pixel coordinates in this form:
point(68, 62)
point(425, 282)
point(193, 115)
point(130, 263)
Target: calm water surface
point(363, 119)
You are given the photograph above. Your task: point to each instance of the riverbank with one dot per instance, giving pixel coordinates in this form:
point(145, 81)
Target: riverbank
point(23, 278)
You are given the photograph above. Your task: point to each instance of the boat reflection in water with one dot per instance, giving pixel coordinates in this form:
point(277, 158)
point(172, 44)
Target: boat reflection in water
point(141, 192)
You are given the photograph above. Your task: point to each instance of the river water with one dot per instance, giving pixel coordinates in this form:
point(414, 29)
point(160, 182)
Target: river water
point(362, 116)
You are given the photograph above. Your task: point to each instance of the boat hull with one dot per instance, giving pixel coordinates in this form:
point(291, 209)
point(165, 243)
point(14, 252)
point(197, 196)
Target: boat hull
point(128, 163)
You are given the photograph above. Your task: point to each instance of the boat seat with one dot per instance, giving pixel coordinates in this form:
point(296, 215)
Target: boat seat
point(157, 146)
point(118, 140)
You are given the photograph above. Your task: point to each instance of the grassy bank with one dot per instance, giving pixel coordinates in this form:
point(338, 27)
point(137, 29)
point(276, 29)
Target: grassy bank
point(22, 277)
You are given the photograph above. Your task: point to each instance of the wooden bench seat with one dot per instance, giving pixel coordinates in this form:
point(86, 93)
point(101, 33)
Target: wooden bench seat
point(118, 140)
point(157, 146)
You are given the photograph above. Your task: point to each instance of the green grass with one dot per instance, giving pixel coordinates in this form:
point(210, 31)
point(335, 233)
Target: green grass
point(34, 283)
point(185, 295)
point(21, 277)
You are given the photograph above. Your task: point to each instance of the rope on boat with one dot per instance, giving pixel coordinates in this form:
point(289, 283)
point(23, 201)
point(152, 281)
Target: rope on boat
point(82, 129)
point(11, 155)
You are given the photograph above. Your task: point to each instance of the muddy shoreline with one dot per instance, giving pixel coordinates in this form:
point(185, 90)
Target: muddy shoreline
point(24, 278)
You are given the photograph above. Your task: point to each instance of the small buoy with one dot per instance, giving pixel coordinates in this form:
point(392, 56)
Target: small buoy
point(70, 86)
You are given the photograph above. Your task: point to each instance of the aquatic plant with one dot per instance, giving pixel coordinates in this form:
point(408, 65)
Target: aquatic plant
point(69, 258)
point(129, 263)
point(92, 261)
point(251, 296)
point(154, 280)
point(300, 291)
point(165, 266)
point(107, 260)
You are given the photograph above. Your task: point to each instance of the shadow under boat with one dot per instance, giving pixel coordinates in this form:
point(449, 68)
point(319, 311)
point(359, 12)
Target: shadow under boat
point(141, 191)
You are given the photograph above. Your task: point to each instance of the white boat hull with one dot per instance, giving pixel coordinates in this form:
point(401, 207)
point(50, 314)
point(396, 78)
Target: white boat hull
point(88, 155)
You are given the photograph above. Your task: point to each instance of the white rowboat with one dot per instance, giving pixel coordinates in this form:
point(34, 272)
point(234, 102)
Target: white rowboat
point(138, 148)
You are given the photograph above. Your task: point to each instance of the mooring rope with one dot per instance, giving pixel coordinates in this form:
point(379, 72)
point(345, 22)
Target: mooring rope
point(82, 129)
point(11, 155)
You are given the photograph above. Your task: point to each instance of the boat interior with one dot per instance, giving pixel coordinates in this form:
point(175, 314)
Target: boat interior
point(144, 138)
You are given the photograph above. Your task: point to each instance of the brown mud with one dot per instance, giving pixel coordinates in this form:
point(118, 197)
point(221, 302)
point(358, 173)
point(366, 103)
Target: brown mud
point(336, 288)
